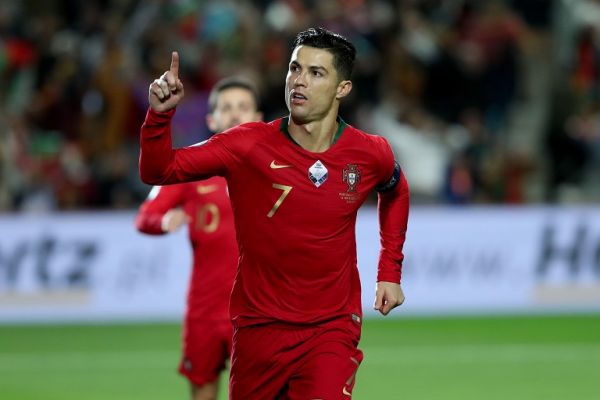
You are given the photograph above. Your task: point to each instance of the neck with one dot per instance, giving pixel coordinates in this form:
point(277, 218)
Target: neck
point(314, 136)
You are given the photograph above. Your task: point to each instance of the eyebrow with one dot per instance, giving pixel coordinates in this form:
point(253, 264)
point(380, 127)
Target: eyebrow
point(310, 67)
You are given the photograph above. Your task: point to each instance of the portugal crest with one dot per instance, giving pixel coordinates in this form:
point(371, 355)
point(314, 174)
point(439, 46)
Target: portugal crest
point(351, 175)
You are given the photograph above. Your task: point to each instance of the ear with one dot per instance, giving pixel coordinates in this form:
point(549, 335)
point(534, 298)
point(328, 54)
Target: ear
point(343, 88)
point(210, 122)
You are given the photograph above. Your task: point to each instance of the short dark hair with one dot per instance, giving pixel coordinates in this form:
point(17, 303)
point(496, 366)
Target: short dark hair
point(231, 83)
point(342, 50)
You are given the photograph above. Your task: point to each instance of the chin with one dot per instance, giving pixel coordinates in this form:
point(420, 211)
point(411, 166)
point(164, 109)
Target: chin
point(299, 117)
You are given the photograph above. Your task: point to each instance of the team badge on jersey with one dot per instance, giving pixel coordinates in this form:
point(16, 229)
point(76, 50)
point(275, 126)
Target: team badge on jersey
point(351, 176)
point(317, 173)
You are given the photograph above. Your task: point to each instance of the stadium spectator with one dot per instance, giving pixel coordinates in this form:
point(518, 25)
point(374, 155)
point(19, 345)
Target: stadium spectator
point(436, 58)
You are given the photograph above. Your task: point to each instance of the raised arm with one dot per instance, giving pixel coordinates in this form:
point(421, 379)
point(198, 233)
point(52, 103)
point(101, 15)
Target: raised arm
point(159, 163)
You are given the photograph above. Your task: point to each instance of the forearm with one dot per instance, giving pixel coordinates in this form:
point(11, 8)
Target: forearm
point(149, 223)
point(156, 153)
point(160, 164)
point(393, 211)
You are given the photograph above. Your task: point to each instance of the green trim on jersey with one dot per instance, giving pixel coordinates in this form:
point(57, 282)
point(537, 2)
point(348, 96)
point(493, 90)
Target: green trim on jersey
point(284, 128)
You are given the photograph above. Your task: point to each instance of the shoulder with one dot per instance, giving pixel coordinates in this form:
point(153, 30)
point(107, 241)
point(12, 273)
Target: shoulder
point(237, 138)
point(256, 126)
point(374, 148)
point(232, 145)
point(372, 142)
point(249, 131)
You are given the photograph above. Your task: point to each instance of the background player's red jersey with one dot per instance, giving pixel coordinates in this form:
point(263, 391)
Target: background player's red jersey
point(290, 204)
point(212, 237)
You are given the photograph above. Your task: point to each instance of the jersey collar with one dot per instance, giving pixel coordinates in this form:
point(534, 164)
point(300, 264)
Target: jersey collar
point(284, 128)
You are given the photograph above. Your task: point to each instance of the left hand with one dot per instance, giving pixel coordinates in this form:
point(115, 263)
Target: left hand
point(173, 220)
point(388, 296)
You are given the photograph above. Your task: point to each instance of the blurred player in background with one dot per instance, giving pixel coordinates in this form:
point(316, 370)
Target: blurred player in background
point(296, 185)
point(204, 206)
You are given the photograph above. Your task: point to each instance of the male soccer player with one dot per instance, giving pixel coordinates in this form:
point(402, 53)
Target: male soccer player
point(205, 207)
point(296, 185)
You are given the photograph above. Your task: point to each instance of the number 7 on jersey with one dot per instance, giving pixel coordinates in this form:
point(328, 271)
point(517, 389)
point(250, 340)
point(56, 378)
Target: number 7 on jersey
point(286, 190)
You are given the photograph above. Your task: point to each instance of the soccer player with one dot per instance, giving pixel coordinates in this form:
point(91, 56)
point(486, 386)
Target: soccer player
point(296, 185)
point(205, 207)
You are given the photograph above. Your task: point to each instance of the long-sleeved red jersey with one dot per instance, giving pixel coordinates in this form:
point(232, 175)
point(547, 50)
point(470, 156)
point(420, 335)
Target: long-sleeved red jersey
point(295, 213)
point(212, 236)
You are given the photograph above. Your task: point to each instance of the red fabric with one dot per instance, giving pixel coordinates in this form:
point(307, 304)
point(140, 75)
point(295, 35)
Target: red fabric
point(393, 222)
point(279, 361)
point(299, 264)
point(19, 53)
point(206, 349)
point(212, 236)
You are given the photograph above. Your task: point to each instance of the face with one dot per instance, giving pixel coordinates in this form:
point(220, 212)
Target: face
point(312, 86)
point(234, 106)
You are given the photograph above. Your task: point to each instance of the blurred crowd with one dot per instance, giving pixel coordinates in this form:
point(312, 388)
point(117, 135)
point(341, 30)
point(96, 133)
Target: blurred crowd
point(484, 102)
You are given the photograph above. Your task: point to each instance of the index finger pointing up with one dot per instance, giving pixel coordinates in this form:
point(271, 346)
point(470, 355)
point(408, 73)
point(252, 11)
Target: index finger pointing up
point(174, 64)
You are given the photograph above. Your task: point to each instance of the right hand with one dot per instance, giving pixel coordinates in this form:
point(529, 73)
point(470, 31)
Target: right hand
point(173, 220)
point(167, 91)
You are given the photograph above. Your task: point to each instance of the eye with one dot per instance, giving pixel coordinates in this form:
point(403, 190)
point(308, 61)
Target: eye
point(294, 68)
point(317, 73)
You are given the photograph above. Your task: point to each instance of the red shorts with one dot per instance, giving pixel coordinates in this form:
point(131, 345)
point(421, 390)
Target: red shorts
point(206, 349)
point(282, 361)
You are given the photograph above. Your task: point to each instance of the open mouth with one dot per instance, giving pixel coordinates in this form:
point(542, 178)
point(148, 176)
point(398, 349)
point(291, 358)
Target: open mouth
point(298, 98)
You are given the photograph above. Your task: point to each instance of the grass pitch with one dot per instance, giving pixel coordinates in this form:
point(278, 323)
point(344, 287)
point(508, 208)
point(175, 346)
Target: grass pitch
point(474, 358)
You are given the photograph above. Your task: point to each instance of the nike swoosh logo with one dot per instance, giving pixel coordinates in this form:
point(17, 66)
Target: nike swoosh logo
point(277, 166)
point(346, 392)
point(206, 188)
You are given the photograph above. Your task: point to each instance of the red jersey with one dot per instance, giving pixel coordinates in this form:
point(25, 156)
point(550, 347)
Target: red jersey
point(295, 213)
point(212, 235)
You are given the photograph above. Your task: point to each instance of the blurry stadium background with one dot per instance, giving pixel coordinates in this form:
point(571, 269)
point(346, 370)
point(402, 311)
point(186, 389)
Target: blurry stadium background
point(492, 107)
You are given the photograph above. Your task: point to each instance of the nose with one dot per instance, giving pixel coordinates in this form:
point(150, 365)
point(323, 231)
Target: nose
point(300, 79)
point(235, 117)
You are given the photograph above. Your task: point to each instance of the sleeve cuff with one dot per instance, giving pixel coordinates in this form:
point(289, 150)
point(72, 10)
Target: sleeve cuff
point(159, 118)
point(389, 276)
